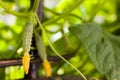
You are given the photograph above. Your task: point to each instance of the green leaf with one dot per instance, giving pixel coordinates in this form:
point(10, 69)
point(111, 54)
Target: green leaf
point(115, 41)
point(102, 50)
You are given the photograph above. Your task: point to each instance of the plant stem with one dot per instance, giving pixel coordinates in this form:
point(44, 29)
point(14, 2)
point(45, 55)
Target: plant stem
point(2, 4)
point(69, 46)
point(35, 7)
point(98, 7)
point(64, 14)
point(18, 14)
point(71, 14)
point(56, 51)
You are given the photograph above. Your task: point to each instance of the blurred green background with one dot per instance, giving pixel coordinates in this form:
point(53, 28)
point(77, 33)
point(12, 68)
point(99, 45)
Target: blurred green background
point(104, 12)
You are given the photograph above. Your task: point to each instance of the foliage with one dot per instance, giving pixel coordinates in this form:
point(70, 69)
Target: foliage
point(90, 27)
point(103, 49)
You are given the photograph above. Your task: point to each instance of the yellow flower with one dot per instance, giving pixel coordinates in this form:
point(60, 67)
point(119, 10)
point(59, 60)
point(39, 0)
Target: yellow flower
point(47, 68)
point(26, 62)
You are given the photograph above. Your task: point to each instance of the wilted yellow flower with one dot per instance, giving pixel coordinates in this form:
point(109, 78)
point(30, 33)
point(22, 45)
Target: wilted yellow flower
point(47, 68)
point(26, 62)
